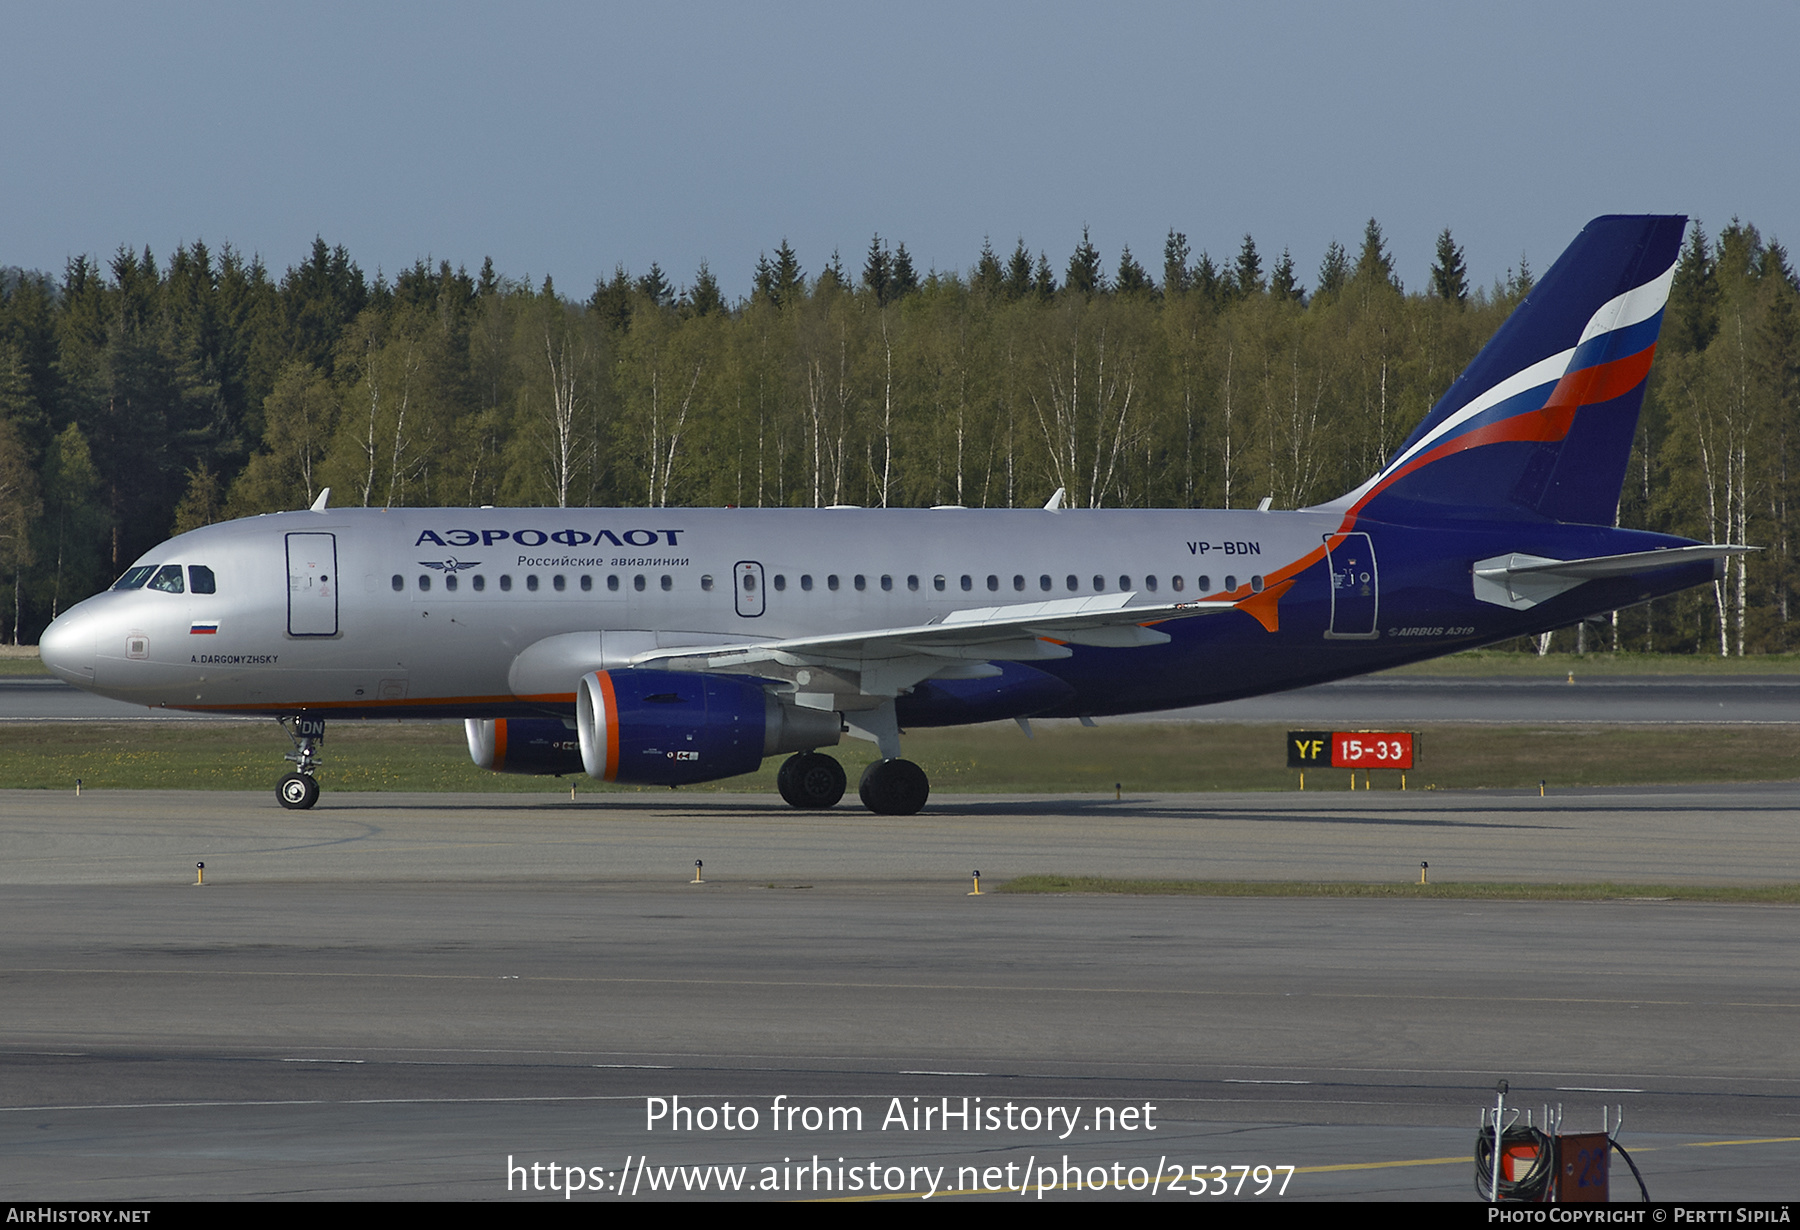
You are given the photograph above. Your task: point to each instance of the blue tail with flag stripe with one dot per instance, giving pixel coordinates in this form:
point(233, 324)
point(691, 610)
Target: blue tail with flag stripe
point(1540, 425)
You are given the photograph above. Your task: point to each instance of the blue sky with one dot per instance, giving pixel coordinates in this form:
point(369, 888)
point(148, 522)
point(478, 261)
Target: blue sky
point(568, 138)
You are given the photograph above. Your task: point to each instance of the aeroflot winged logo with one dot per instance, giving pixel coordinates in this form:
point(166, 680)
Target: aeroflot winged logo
point(537, 538)
point(450, 565)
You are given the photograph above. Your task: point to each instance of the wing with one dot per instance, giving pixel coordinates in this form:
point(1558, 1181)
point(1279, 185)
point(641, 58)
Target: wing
point(862, 669)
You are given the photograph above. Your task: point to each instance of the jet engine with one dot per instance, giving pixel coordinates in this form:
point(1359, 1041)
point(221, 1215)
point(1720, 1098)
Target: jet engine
point(524, 745)
point(673, 728)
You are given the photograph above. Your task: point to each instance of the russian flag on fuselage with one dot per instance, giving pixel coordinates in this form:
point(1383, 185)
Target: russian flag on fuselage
point(1541, 423)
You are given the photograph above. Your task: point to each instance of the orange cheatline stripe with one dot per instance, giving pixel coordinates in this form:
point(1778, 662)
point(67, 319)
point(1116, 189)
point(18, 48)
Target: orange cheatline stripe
point(416, 702)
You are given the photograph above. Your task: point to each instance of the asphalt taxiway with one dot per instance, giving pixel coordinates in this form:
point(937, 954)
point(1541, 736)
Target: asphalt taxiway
point(393, 995)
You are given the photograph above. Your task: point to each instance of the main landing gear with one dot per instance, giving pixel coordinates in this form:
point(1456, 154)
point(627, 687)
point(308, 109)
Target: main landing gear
point(813, 781)
point(894, 788)
point(299, 790)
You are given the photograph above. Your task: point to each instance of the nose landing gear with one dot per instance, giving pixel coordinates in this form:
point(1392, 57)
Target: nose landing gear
point(299, 790)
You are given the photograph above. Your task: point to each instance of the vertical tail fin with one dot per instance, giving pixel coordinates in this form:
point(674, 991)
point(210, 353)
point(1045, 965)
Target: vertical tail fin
point(1541, 423)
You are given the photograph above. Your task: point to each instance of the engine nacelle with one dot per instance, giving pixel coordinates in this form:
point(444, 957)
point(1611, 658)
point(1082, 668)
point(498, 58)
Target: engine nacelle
point(524, 745)
point(673, 728)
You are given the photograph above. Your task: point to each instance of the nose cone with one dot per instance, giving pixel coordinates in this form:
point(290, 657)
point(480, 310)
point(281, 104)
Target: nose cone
point(67, 647)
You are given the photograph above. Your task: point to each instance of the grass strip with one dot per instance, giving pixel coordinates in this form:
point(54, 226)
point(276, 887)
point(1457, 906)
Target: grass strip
point(1773, 894)
point(1131, 758)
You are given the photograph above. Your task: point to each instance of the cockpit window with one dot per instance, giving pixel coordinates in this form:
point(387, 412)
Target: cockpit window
point(134, 578)
point(167, 579)
point(200, 579)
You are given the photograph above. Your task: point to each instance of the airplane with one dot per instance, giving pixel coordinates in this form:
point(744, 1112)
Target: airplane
point(674, 646)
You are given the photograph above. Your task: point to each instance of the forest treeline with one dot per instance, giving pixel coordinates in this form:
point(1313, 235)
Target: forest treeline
point(141, 398)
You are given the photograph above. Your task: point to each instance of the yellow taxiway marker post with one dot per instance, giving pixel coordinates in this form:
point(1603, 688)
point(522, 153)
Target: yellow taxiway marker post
point(976, 892)
point(697, 880)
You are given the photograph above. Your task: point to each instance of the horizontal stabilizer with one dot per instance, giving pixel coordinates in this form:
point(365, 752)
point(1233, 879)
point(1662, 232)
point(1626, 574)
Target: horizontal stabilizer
point(1522, 581)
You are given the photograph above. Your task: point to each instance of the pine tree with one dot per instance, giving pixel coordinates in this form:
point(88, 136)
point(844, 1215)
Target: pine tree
point(1449, 275)
point(1132, 279)
point(1775, 264)
point(906, 278)
point(1284, 284)
point(704, 298)
point(763, 288)
point(1084, 277)
point(611, 301)
point(655, 287)
point(1523, 281)
point(1043, 283)
point(878, 272)
point(988, 276)
point(1247, 278)
point(1017, 283)
point(1334, 270)
point(790, 279)
point(1208, 282)
point(1373, 264)
point(319, 299)
point(1177, 279)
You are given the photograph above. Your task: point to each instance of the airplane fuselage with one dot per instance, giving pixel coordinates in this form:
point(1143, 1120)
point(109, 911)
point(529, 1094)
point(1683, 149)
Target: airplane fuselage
point(434, 612)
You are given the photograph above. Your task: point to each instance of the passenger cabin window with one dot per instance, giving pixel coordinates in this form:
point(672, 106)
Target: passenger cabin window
point(612, 583)
point(168, 579)
point(1019, 583)
point(399, 583)
point(1205, 583)
point(587, 583)
point(831, 582)
point(780, 581)
point(1179, 583)
point(506, 583)
point(424, 583)
point(480, 582)
point(1044, 583)
point(806, 581)
point(557, 583)
point(531, 582)
point(968, 582)
point(450, 582)
point(134, 578)
point(1074, 583)
point(937, 583)
point(1099, 584)
point(200, 579)
point(668, 582)
point(637, 582)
